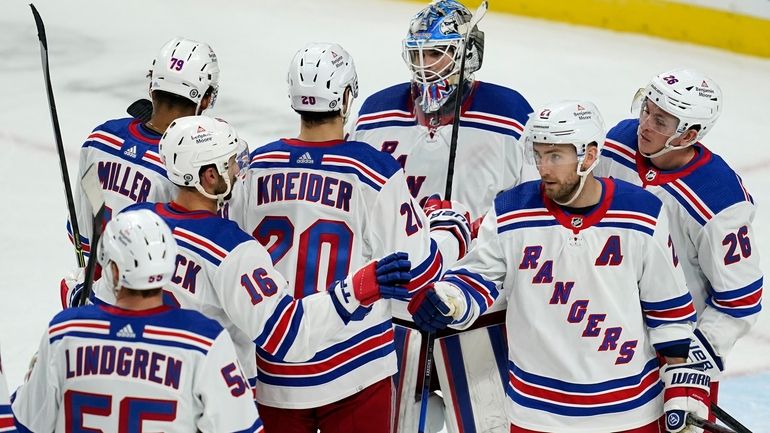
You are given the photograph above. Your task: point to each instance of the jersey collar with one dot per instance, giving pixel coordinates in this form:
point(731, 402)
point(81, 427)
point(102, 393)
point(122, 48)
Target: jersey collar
point(651, 175)
point(576, 222)
point(117, 311)
point(303, 143)
point(140, 133)
point(175, 211)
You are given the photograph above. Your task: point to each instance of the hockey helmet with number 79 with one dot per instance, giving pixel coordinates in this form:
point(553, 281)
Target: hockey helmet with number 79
point(186, 68)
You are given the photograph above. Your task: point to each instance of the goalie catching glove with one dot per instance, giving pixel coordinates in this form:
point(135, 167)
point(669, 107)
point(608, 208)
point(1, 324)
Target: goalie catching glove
point(380, 279)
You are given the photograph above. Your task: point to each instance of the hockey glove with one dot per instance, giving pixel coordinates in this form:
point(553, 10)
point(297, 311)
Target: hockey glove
point(70, 288)
point(686, 391)
point(436, 306)
point(452, 217)
point(703, 357)
point(381, 279)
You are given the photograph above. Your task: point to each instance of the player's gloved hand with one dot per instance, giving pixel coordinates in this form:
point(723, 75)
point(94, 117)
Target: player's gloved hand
point(686, 391)
point(70, 288)
point(436, 306)
point(382, 279)
point(704, 356)
point(450, 216)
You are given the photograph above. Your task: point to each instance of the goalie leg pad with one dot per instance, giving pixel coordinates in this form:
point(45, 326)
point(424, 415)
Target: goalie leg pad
point(471, 369)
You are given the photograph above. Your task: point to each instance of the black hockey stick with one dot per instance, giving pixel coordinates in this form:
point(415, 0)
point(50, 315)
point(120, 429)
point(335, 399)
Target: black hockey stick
point(707, 425)
point(728, 420)
point(140, 109)
point(429, 337)
point(93, 189)
point(57, 135)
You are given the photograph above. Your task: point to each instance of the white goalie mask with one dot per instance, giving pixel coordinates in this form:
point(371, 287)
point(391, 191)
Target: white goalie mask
point(694, 100)
point(576, 123)
point(193, 142)
point(319, 75)
point(186, 68)
point(141, 246)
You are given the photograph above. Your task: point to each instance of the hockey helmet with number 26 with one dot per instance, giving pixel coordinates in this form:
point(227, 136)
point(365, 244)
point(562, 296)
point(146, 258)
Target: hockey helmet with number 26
point(142, 247)
point(319, 75)
point(186, 68)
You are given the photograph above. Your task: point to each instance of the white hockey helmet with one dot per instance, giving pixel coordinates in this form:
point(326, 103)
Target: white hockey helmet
point(186, 68)
point(319, 75)
point(193, 142)
point(142, 247)
point(693, 98)
point(577, 123)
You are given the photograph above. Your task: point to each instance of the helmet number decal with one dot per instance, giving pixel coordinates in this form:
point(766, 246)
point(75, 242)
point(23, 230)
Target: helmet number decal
point(670, 80)
point(308, 100)
point(177, 64)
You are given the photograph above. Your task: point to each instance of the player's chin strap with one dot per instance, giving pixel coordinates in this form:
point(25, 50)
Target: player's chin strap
point(666, 147)
point(220, 198)
point(583, 175)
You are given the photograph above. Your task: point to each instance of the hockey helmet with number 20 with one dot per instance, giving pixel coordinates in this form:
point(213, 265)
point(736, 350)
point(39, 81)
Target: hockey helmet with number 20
point(319, 75)
point(142, 247)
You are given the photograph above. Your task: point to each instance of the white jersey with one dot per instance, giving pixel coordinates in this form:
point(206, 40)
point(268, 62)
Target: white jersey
point(590, 299)
point(489, 158)
point(711, 215)
point(6, 415)
point(129, 169)
point(102, 368)
point(324, 210)
point(228, 276)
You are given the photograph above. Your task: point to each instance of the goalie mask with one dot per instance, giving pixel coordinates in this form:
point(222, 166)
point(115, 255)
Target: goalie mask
point(193, 142)
point(186, 68)
point(433, 50)
point(141, 246)
point(575, 123)
point(676, 101)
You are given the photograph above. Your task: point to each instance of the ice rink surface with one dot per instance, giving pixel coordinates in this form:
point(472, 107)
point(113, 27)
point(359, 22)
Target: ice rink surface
point(101, 50)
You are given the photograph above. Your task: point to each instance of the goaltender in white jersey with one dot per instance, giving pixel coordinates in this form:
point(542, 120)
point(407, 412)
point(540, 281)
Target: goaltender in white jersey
point(593, 292)
point(138, 365)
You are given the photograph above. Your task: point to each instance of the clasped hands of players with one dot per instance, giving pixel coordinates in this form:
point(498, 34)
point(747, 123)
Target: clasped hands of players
point(385, 278)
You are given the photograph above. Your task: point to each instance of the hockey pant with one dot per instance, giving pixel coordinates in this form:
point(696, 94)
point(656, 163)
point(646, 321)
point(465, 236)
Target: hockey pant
point(470, 367)
point(369, 410)
point(658, 426)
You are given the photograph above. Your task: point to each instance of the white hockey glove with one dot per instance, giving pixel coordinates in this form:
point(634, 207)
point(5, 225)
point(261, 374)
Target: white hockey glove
point(70, 288)
point(686, 391)
point(451, 217)
point(436, 306)
point(703, 357)
point(382, 279)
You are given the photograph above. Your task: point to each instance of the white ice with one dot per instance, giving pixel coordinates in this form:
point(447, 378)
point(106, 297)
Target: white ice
point(100, 51)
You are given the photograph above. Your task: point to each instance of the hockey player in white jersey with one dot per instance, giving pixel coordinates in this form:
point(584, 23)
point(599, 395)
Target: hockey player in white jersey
point(322, 205)
point(593, 290)
point(137, 365)
point(413, 122)
point(710, 210)
point(224, 273)
point(7, 424)
point(184, 81)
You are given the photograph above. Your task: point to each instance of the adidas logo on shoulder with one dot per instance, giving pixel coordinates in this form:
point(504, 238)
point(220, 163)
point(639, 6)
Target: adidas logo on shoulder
point(130, 152)
point(305, 158)
point(126, 332)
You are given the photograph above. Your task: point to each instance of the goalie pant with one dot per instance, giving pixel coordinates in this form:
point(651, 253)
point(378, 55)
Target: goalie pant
point(591, 298)
point(129, 169)
point(102, 368)
point(227, 275)
point(489, 160)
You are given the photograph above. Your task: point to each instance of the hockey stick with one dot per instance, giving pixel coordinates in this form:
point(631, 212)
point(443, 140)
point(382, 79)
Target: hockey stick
point(728, 420)
point(707, 425)
point(430, 338)
point(93, 190)
point(140, 109)
point(57, 135)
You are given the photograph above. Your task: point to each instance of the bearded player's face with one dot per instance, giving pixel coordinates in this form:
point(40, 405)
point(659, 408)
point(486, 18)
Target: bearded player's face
point(557, 165)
